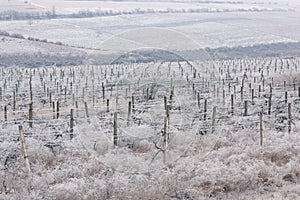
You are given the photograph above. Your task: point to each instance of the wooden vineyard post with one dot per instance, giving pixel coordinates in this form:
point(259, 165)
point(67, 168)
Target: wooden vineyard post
point(115, 130)
point(261, 131)
point(147, 94)
point(5, 113)
point(166, 138)
point(107, 105)
point(223, 97)
point(86, 110)
point(246, 108)
point(129, 113)
point(65, 93)
point(198, 100)
point(111, 91)
point(132, 101)
point(30, 115)
point(53, 109)
point(50, 99)
point(94, 95)
point(30, 88)
point(289, 118)
point(24, 148)
point(14, 101)
point(73, 99)
point(242, 93)
point(298, 91)
point(57, 109)
point(205, 109)
point(214, 114)
point(168, 113)
point(270, 101)
point(285, 97)
point(117, 101)
point(103, 92)
point(232, 104)
point(71, 123)
point(0, 93)
point(165, 102)
point(83, 93)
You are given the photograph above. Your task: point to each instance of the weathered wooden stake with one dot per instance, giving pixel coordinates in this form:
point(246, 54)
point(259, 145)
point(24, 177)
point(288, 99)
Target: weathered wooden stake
point(147, 94)
point(107, 105)
point(115, 130)
point(30, 88)
point(232, 104)
point(71, 124)
point(198, 100)
point(14, 101)
point(165, 102)
point(50, 99)
point(86, 110)
point(289, 118)
point(166, 138)
point(223, 97)
point(57, 109)
point(270, 101)
point(242, 93)
point(129, 113)
point(103, 92)
point(214, 114)
point(205, 109)
point(285, 97)
point(65, 93)
point(22, 138)
point(53, 109)
point(30, 115)
point(5, 113)
point(261, 131)
point(132, 101)
point(246, 108)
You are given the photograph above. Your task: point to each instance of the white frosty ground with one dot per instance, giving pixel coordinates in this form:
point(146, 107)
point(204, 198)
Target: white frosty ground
point(236, 167)
point(227, 26)
point(226, 164)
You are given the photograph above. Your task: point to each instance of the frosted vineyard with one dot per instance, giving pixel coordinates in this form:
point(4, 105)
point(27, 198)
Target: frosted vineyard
point(165, 130)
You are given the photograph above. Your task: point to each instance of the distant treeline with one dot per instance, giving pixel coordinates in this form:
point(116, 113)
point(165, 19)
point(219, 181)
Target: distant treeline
point(155, 55)
point(20, 36)
point(289, 49)
point(39, 59)
point(145, 56)
point(17, 15)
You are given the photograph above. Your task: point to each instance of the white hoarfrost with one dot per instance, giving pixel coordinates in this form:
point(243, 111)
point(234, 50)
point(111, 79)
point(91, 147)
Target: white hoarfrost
point(193, 161)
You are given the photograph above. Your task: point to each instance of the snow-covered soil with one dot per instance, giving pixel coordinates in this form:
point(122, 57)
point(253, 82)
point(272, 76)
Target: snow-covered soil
point(227, 27)
point(69, 7)
point(193, 156)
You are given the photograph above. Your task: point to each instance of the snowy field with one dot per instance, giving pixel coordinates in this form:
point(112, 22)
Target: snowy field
point(182, 131)
point(223, 25)
point(204, 29)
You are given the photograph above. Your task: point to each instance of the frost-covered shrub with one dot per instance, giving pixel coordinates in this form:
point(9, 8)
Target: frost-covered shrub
point(142, 146)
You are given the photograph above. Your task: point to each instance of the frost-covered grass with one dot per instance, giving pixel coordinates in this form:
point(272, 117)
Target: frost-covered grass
point(110, 33)
point(198, 163)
